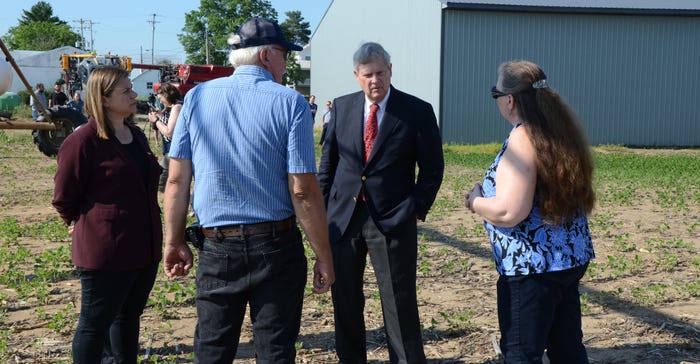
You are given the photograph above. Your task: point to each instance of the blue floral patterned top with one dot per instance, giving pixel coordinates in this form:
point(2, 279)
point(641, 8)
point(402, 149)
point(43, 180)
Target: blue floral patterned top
point(533, 246)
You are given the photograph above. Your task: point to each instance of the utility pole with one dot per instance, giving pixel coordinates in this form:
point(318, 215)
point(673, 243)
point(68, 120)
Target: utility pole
point(153, 34)
point(82, 34)
point(92, 40)
point(206, 41)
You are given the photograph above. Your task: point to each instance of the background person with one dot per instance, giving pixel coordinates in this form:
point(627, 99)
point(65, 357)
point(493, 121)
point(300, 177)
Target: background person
point(76, 103)
point(106, 189)
point(374, 199)
point(536, 195)
point(313, 107)
point(164, 121)
point(250, 141)
point(57, 97)
point(325, 118)
point(40, 98)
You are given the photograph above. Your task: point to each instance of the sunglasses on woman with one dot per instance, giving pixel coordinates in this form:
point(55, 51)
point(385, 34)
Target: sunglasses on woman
point(496, 94)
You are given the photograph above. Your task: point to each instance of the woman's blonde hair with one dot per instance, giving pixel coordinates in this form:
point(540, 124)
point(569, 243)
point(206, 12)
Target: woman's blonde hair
point(564, 162)
point(101, 83)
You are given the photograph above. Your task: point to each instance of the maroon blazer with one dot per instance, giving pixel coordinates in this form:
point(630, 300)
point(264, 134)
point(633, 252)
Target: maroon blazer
point(100, 186)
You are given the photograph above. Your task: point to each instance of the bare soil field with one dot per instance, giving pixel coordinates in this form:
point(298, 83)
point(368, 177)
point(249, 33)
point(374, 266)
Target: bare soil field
point(640, 297)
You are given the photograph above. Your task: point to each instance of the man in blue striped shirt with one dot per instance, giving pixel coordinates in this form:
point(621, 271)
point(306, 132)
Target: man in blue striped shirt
point(249, 142)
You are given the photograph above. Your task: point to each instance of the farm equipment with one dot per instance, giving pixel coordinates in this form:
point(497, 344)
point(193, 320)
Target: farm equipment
point(186, 76)
point(58, 122)
point(53, 127)
point(77, 68)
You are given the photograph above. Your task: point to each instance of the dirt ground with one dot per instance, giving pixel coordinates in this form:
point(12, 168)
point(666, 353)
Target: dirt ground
point(644, 311)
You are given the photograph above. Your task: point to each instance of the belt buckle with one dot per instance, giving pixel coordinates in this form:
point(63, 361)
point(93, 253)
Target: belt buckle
point(218, 234)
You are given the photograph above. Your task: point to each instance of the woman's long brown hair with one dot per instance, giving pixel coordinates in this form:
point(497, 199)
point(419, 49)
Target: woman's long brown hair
point(564, 162)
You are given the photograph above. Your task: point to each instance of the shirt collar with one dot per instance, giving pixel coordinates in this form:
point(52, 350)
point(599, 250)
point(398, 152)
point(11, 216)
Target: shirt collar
point(382, 104)
point(252, 70)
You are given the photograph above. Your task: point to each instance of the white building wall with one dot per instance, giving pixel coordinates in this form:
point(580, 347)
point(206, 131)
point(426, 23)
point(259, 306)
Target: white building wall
point(408, 29)
point(142, 80)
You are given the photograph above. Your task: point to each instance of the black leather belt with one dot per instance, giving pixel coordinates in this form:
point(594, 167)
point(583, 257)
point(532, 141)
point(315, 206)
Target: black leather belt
point(234, 231)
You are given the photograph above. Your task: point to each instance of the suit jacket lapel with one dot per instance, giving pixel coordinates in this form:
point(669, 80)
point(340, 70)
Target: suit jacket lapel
point(356, 125)
point(387, 124)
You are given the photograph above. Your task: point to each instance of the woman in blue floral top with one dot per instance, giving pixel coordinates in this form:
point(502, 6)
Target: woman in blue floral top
point(534, 200)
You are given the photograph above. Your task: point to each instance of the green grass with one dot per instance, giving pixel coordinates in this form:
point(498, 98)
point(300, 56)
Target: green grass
point(22, 111)
point(669, 180)
point(623, 178)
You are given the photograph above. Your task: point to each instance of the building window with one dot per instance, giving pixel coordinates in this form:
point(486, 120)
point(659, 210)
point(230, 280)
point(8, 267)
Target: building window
point(149, 85)
point(307, 58)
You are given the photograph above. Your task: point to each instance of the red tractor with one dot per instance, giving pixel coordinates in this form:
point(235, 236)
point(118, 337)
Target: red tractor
point(186, 76)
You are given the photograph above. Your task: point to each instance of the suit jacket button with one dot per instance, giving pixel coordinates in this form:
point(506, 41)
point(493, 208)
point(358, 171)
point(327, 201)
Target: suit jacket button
point(354, 198)
point(364, 178)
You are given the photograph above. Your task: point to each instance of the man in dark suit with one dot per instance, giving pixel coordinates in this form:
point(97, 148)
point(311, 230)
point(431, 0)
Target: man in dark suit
point(374, 141)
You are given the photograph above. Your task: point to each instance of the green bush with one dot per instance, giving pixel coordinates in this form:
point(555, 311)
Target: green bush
point(24, 94)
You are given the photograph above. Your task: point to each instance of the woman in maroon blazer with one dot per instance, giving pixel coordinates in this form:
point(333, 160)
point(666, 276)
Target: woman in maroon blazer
point(106, 190)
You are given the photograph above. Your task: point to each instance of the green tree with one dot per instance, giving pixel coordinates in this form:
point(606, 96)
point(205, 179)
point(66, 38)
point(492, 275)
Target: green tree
point(214, 22)
point(297, 31)
point(40, 36)
point(293, 74)
point(40, 30)
point(40, 12)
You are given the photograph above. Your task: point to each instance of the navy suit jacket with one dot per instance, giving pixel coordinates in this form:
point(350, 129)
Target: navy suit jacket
point(408, 137)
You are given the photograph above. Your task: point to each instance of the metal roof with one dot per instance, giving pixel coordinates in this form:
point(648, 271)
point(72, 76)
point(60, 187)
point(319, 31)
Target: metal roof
point(660, 7)
point(19, 54)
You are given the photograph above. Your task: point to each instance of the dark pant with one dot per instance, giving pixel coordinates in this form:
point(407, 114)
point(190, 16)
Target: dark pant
point(323, 134)
point(164, 173)
point(114, 302)
point(266, 271)
point(538, 312)
point(394, 262)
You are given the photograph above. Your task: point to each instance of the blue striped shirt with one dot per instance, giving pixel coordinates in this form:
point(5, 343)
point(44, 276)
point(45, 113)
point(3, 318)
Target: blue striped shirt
point(244, 134)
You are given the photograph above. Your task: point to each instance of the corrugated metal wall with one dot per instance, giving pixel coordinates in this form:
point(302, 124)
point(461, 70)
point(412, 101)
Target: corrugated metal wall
point(632, 79)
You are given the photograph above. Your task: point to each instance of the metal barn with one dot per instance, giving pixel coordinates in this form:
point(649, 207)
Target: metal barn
point(630, 73)
point(628, 70)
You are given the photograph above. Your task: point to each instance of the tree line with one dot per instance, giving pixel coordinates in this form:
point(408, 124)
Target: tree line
point(39, 30)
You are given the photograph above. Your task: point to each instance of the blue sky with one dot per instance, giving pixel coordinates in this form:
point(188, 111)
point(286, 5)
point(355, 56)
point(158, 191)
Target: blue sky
point(123, 28)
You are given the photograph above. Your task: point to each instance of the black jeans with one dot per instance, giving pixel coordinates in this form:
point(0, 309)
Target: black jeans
point(541, 311)
point(111, 301)
point(266, 271)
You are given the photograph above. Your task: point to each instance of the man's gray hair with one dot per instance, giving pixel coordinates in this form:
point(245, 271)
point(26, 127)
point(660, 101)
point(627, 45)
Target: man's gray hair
point(369, 52)
point(244, 56)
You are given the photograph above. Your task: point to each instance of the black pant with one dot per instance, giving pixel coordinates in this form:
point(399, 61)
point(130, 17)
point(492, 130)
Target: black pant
point(538, 312)
point(394, 262)
point(323, 134)
point(111, 301)
point(266, 271)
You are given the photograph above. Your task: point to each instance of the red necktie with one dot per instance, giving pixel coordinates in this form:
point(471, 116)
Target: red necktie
point(371, 130)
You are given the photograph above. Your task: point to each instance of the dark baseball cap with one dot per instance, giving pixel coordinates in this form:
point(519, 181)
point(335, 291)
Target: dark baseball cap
point(259, 31)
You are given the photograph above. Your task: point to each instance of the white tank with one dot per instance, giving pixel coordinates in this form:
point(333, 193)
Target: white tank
point(5, 75)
